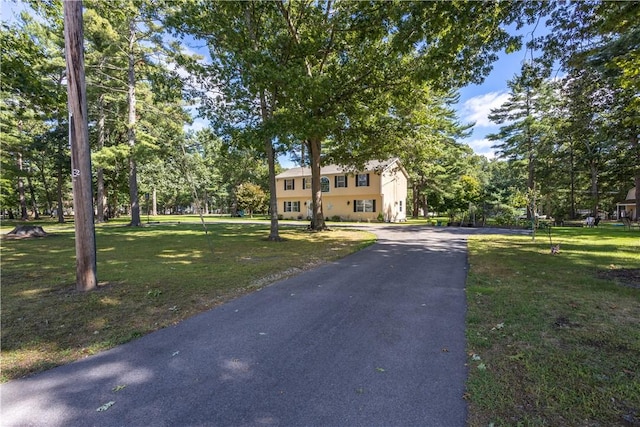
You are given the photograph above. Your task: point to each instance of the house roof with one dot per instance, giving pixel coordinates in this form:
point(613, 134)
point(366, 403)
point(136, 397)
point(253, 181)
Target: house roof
point(631, 196)
point(372, 166)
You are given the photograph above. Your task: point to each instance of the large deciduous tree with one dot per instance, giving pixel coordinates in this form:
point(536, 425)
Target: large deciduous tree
point(308, 71)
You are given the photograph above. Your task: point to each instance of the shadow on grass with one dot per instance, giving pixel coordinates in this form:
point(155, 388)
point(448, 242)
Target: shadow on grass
point(149, 278)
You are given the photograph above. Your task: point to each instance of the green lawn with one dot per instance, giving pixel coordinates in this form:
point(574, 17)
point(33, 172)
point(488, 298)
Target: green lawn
point(554, 340)
point(149, 277)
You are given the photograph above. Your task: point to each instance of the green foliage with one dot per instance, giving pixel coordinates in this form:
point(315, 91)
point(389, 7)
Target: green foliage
point(251, 198)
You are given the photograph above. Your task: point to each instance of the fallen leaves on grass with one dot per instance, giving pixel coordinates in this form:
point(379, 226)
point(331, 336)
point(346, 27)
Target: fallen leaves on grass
point(106, 406)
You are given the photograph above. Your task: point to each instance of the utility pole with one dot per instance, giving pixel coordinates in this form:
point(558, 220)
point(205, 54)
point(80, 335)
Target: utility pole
point(86, 278)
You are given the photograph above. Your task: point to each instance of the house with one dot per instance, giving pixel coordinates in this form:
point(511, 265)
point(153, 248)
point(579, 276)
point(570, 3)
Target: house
point(379, 191)
point(627, 208)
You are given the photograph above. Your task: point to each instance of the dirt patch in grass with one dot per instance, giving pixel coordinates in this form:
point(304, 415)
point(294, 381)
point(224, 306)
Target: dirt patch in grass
point(624, 276)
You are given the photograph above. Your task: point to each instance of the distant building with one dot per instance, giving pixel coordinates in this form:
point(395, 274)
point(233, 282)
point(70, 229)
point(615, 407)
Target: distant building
point(380, 190)
point(627, 208)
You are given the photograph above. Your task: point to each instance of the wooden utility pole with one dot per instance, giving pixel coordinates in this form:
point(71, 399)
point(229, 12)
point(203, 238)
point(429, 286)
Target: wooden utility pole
point(86, 278)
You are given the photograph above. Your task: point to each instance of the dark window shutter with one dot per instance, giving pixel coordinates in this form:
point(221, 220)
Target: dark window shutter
point(285, 183)
point(293, 184)
point(335, 181)
point(367, 180)
point(354, 205)
point(374, 201)
point(346, 181)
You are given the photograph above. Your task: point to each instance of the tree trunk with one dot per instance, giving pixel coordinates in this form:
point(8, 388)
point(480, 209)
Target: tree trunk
point(593, 168)
point(32, 193)
point(131, 131)
point(24, 215)
point(416, 200)
point(47, 190)
point(573, 182)
point(59, 187)
point(154, 203)
point(266, 112)
point(425, 206)
point(86, 278)
point(274, 232)
point(635, 148)
point(531, 179)
point(315, 147)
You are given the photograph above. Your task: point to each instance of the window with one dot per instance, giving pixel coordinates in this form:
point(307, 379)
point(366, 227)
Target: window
point(364, 205)
point(306, 183)
point(324, 184)
point(340, 181)
point(289, 184)
point(362, 180)
point(292, 206)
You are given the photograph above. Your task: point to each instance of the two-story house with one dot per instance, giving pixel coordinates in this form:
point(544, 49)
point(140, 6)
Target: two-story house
point(362, 196)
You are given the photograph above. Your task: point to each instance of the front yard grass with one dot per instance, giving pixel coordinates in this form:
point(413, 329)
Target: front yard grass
point(554, 340)
point(149, 278)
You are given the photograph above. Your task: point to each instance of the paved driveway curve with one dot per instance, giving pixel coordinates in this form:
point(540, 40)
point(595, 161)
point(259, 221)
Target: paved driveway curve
point(375, 339)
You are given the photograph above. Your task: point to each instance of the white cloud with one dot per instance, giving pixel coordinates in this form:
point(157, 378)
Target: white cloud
point(478, 108)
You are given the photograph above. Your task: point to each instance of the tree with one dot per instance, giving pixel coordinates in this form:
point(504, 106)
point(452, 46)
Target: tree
point(251, 198)
point(126, 36)
point(310, 71)
point(32, 85)
point(524, 129)
point(245, 78)
point(425, 129)
point(604, 37)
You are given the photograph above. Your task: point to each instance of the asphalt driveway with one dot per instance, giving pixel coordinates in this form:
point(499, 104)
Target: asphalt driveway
point(375, 339)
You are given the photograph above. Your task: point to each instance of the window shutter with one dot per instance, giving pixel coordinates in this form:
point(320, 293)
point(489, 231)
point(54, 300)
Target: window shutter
point(284, 207)
point(354, 204)
point(374, 201)
point(346, 181)
point(293, 184)
point(357, 181)
point(285, 184)
point(368, 181)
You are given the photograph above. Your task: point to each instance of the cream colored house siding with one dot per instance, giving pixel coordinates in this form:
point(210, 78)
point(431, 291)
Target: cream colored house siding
point(387, 190)
point(394, 195)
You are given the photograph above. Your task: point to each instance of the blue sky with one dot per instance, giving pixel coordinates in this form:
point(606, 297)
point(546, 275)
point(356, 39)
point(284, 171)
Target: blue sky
point(476, 101)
